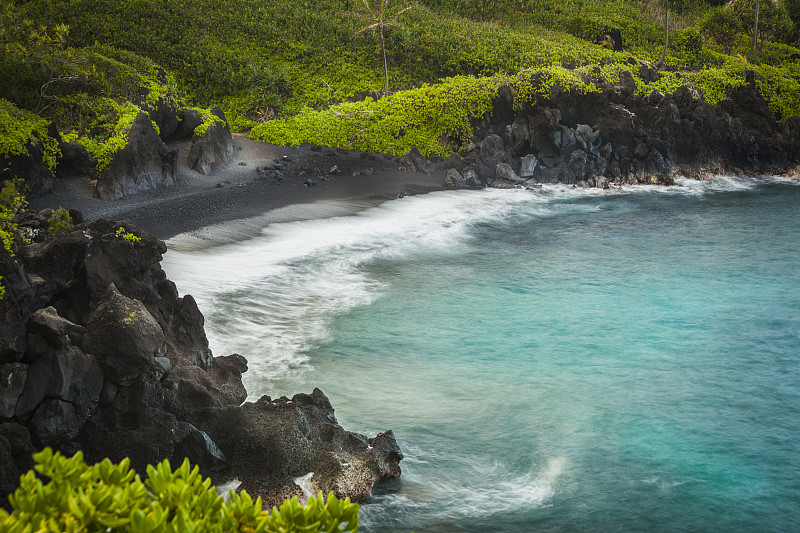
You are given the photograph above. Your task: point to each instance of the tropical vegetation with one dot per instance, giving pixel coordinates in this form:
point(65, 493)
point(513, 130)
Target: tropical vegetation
point(66, 495)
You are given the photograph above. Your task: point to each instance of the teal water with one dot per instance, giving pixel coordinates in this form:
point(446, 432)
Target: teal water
point(558, 360)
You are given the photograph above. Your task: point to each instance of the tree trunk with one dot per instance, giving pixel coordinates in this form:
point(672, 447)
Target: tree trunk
point(666, 35)
point(751, 56)
point(385, 66)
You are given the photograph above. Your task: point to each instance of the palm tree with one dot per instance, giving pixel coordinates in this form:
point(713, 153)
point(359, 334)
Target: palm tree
point(666, 35)
point(377, 19)
point(752, 53)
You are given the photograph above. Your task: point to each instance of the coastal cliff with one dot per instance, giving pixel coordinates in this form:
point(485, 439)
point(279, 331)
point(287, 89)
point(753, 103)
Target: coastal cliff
point(99, 353)
point(615, 137)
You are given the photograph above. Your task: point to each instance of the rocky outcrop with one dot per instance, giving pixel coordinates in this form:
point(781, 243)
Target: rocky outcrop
point(616, 137)
point(143, 164)
point(99, 353)
point(211, 148)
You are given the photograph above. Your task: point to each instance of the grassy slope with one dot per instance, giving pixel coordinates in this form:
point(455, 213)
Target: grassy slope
point(445, 62)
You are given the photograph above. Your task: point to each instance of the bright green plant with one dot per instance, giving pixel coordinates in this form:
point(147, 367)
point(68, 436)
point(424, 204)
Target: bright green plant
point(122, 233)
point(19, 128)
point(208, 118)
point(108, 497)
point(60, 220)
point(12, 203)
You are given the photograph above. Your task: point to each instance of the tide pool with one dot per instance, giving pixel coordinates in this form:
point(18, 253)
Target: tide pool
point(551, 360)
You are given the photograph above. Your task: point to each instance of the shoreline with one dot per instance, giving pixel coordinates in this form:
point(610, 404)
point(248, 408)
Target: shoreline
point(224, 205)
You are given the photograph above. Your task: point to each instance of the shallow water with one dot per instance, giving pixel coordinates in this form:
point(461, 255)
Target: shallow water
point(555, 360)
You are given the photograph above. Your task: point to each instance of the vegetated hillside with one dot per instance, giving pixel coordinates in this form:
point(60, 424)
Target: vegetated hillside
point(294, 59)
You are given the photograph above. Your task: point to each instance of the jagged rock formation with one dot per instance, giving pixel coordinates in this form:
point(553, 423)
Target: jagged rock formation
point(618, 137)
point(212, 148)
point(143, 164)
point(98, 353)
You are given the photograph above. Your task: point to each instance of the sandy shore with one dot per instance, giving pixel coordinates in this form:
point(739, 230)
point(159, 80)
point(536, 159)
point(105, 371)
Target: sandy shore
point(234, 200)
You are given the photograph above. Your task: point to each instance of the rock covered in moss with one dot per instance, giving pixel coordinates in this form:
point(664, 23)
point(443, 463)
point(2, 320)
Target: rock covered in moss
point(212, 143)
point(144, 163)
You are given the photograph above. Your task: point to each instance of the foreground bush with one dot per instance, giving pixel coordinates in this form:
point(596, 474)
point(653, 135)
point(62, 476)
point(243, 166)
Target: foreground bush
point(76, 497)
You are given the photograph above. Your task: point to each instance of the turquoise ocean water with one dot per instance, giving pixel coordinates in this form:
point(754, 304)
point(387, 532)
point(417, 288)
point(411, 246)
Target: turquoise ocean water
point(557, 360)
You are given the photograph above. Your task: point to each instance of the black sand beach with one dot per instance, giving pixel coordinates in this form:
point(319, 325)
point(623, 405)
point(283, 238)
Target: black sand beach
point(236, 191)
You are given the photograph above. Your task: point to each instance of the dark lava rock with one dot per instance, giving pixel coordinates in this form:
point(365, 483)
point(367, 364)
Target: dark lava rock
point(143, 164)
point(213, 147)
point(124, 337)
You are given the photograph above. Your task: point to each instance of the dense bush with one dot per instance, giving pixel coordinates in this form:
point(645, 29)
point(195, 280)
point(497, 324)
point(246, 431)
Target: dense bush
point(70, 496)
point(60, 220)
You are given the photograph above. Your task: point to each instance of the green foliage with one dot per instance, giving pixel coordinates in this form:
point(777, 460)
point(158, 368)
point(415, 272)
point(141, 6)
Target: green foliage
point(112, 497)
point(19, 128)
point(2, 289)
point(435, 119)
point(208, 118)
point(12, 203)
point(268, 87)
point(122, 233)
point(60, 220)
point(308, 68)
point(533, 85)
point(105, 128)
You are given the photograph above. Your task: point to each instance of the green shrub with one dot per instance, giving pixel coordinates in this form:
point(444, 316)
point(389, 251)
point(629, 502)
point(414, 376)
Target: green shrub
point(122, 233)
point(19, 128)
point(12, 203)
point(112, 497)
point(60, 220)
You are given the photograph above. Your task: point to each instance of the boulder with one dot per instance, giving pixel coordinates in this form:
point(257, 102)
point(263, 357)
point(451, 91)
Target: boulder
point(53, 266)
point(131, 266)
point(212, 148)
point(528, 165)
point(124, 337)
point(503, 171)
point(54, 424)
point(131, 422)
point(54, 329)
point(471, 179)
point(610, 38)
point(143, 164)
point(454, 180)
point(186, 336)
point(519, 136)
point(269, 443)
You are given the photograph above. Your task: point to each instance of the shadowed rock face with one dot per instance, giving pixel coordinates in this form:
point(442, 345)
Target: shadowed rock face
point(212, 148)
point(99, 353)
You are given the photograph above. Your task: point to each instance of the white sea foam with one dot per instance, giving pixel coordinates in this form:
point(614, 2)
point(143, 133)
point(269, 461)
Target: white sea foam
point(224, 489)
point(304, 482)
point(273, 297)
